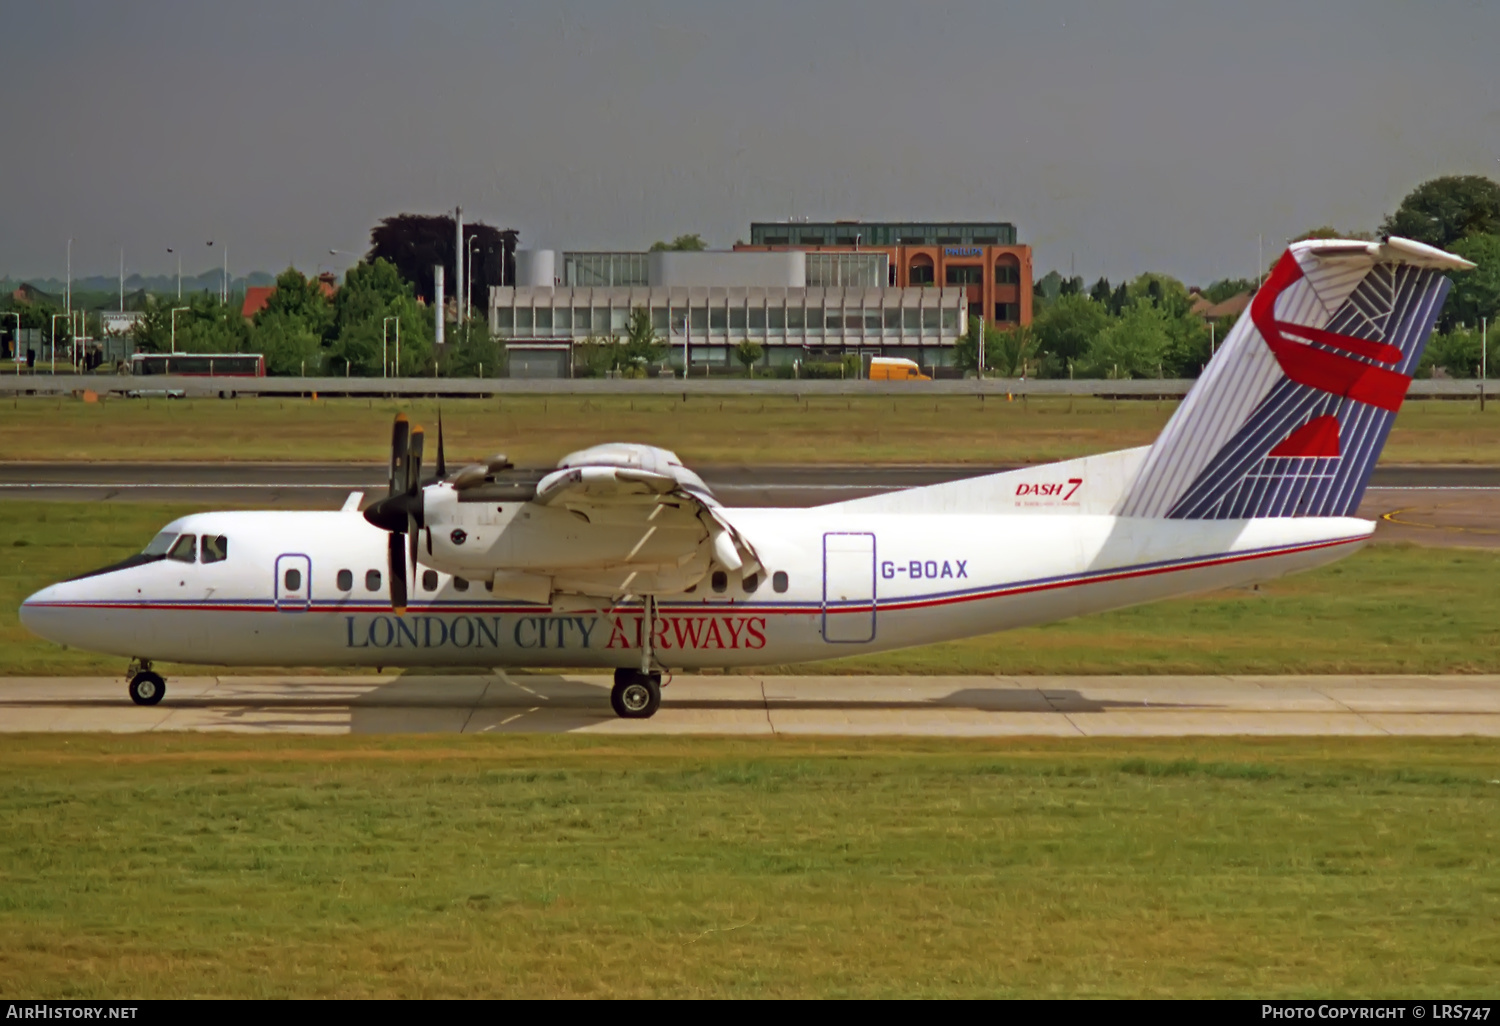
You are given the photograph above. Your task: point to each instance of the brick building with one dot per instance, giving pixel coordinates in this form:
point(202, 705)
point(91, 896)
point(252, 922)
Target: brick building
point(982, 258)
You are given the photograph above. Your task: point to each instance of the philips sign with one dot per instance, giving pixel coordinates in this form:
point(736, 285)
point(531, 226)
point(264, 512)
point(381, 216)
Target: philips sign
point(962, 251)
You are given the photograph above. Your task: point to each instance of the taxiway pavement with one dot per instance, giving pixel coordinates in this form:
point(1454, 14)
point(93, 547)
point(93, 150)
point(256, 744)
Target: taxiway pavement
point(764, 705)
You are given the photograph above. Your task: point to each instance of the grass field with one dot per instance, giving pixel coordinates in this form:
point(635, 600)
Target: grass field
point(1388, 609)
point(186, 866)
point(536, 431)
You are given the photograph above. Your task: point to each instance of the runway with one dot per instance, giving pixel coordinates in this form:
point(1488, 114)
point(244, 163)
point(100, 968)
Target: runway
point(317, 483)
point(1424, 505)
point(767, 706)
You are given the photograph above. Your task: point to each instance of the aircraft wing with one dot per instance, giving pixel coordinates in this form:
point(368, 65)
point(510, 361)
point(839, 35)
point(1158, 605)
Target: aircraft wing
point(610, 521)
point(666, 487)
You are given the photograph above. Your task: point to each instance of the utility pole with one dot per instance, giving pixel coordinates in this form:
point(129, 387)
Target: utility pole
point(68, 297)
point(437, 305)
point(179, 273)
point(1484, 357)
point(458, 263)
point(122, 279)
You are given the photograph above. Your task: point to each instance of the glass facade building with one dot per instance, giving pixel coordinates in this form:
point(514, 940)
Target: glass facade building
point(922, 323)
point(605, 269)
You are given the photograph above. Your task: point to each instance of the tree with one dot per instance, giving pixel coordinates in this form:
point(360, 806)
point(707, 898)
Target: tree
point(690, 243)
point(1048, 287)
point(289, 346)
point(1476, 293)
point(1134, 346)
point(1101, 291)
point(598, 354)
point(749, 354)
point(415, 243)
point(1457, 352)
point(1227, 288)
point(1009, 348)
point(471, 352)
point(204, 325)
point(1443, 210)
point(372, 293)
point(1069, 326)
point(298, 299)
point(642, 345)
point(1005, 350)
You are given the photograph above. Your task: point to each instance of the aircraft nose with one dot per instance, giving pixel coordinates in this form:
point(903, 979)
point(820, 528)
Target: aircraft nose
point(44, 614)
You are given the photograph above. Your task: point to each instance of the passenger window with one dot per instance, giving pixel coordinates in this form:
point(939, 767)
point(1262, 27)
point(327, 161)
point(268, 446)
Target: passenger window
point(185, 551)
point(429, 580)
point(215, 548)
point(719, 581)
point(459, 584)
point(372, 580)
point(346, 580)
point(778, 581)
point(292, 580)
point(751, 583)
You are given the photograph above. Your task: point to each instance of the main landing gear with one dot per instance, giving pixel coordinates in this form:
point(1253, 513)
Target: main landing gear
point(146, 687)
point(636, 695)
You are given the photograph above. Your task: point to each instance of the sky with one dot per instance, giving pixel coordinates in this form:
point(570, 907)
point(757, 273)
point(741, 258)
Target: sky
point(1119, 137)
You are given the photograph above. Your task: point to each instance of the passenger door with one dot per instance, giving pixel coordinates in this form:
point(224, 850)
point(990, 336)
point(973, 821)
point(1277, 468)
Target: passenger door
point(848, 587)
point(293, 587)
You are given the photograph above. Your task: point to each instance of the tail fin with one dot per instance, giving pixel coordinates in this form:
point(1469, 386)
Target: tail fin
point(1292, 412)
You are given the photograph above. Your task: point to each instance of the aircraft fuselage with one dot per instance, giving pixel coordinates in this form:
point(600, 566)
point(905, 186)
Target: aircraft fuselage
point(832, 584)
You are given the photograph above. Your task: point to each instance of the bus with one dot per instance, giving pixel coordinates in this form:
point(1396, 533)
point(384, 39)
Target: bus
point(199, 365)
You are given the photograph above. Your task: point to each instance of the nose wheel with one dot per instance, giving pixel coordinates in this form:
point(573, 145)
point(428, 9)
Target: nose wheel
point(146, 686)
point(636, 695)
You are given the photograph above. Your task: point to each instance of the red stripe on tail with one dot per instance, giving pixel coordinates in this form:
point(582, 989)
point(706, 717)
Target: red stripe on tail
point(1318, 437)
point(1318, 368)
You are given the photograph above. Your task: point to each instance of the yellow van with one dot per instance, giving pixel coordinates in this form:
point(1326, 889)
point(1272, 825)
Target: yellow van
point(895, 368)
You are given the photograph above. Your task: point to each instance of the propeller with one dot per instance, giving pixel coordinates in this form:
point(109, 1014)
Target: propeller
point(400, 512)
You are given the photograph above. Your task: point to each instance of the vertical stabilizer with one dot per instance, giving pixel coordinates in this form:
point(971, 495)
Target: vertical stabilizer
point(1290, 415)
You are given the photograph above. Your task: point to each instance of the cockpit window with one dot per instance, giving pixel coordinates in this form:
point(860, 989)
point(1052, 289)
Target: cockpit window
point(215, 548)
point(186, 549)
point(161, 544)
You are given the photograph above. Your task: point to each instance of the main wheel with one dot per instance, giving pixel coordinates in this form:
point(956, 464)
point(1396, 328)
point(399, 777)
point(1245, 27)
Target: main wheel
point(636, 696)
point(146, 688)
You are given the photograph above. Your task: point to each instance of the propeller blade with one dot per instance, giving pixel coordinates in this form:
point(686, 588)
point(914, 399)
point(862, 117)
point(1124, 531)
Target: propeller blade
point(412, 534)
point(413, 484)
point(400, 437)
point(396, 565)
point(442, 464)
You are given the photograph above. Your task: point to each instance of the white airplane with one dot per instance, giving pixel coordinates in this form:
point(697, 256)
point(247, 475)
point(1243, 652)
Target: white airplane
point(621, 558)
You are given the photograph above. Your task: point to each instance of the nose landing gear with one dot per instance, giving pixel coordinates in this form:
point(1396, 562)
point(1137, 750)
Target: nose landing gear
point(146, 687)
point(636, 695)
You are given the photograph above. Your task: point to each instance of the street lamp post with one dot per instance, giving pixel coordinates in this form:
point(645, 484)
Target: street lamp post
point(384, 362)
point(179, 272)
point(224, 287)
point(469, 278)
point(175, 311)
